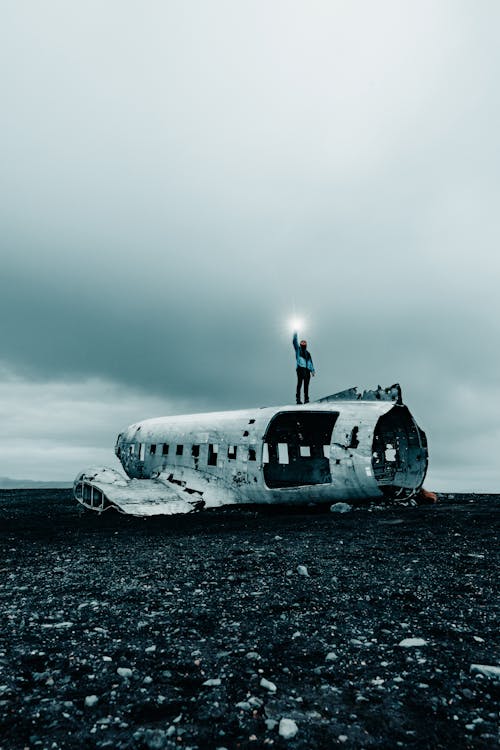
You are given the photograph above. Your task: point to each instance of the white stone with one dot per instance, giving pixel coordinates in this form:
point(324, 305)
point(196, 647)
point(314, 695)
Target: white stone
point(124, 672)
point(331, 656)
point(91, 700)
point(213, 682)
point(302, 570)
point(287, 729)
point(486, 670)
point(268, 685)
point(255, 702)
point(340, 508)
point(412, 642)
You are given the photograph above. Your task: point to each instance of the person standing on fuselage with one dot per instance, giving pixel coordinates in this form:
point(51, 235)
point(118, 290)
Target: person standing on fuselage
point(305, 367)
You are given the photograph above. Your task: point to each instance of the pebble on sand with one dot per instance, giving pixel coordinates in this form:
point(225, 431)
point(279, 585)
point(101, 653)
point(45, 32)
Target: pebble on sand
point(412, 642)
point(91, 700)
point(302, 570)
point(124, 672)
point(268, 685)
point(288, 729)
point(340, 508)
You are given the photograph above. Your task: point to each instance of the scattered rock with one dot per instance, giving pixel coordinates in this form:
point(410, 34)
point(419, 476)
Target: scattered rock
point(302, 570)
point(238, 617)
point(340, 508)
point(156, 739)
point(91, 700)
point(243, 705)
point(124, 672)
point(287, 729)
point(214, 682)
point(253, 655)
point(268, 685)
point(412, 643)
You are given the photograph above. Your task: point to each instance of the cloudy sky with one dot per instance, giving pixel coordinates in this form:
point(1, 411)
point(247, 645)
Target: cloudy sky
point(179, 178)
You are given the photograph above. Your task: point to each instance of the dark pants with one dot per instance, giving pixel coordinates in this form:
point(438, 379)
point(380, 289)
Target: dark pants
point(303, 376)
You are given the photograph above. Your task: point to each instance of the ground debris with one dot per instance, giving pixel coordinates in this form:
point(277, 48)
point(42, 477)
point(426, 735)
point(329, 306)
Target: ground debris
point(170, 633)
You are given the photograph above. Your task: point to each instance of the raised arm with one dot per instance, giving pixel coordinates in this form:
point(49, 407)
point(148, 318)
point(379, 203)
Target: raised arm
point(296, 341)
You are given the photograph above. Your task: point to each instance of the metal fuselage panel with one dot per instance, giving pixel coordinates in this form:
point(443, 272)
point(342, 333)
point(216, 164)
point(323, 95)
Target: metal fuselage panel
point(239, 456)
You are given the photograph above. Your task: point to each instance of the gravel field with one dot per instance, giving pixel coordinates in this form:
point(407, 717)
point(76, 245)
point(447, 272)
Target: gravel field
point(251, 628)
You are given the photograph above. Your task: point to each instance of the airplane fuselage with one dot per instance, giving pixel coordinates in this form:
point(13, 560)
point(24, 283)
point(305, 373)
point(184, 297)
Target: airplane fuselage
point(323, 452)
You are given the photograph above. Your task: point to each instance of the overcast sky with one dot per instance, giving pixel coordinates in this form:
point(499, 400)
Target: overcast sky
point(178, 178)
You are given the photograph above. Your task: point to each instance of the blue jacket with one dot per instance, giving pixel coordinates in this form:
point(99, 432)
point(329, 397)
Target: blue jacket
point(302, 361)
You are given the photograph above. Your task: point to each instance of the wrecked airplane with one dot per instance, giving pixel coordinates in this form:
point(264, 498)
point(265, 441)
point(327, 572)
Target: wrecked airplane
point(347, 446)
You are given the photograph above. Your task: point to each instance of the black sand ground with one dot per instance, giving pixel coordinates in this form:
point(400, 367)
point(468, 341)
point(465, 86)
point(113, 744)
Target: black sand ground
point(217, 596)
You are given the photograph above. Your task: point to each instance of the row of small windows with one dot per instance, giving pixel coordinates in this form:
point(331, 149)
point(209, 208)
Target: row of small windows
point(213, 451)
point(280, 452)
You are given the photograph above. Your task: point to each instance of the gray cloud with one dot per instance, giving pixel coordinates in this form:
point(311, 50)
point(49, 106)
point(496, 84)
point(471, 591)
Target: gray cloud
point(177, 182)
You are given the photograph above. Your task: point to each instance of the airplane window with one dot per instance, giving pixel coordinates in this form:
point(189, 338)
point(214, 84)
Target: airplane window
point(165, 449)
point(195, 451)
point(282, 453)
point(231, 451)
point(152, 449)
point(265, 454)
point(213, 450)
point(326, 451)
point(131, 449)
point(142, 450)
point(305, 451)
point(179, 450)
point(252, 454)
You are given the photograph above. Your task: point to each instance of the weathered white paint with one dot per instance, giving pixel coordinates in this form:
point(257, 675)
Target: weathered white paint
point(168, 482)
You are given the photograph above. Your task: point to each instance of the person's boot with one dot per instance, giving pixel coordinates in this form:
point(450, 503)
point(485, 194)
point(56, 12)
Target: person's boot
point(299, 401)
point(306, 400)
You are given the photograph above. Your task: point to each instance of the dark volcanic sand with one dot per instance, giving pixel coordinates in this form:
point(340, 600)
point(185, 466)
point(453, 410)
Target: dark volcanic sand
point(179, 601)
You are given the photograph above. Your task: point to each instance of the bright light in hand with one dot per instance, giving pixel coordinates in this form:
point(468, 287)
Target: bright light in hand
point(296, 324)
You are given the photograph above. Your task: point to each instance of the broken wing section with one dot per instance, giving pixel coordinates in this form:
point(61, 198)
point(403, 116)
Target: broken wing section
point(103, 488)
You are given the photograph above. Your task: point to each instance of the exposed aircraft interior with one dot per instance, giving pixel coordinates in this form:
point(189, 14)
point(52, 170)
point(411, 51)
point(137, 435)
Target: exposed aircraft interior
point(298, 448)
point(399, 452)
